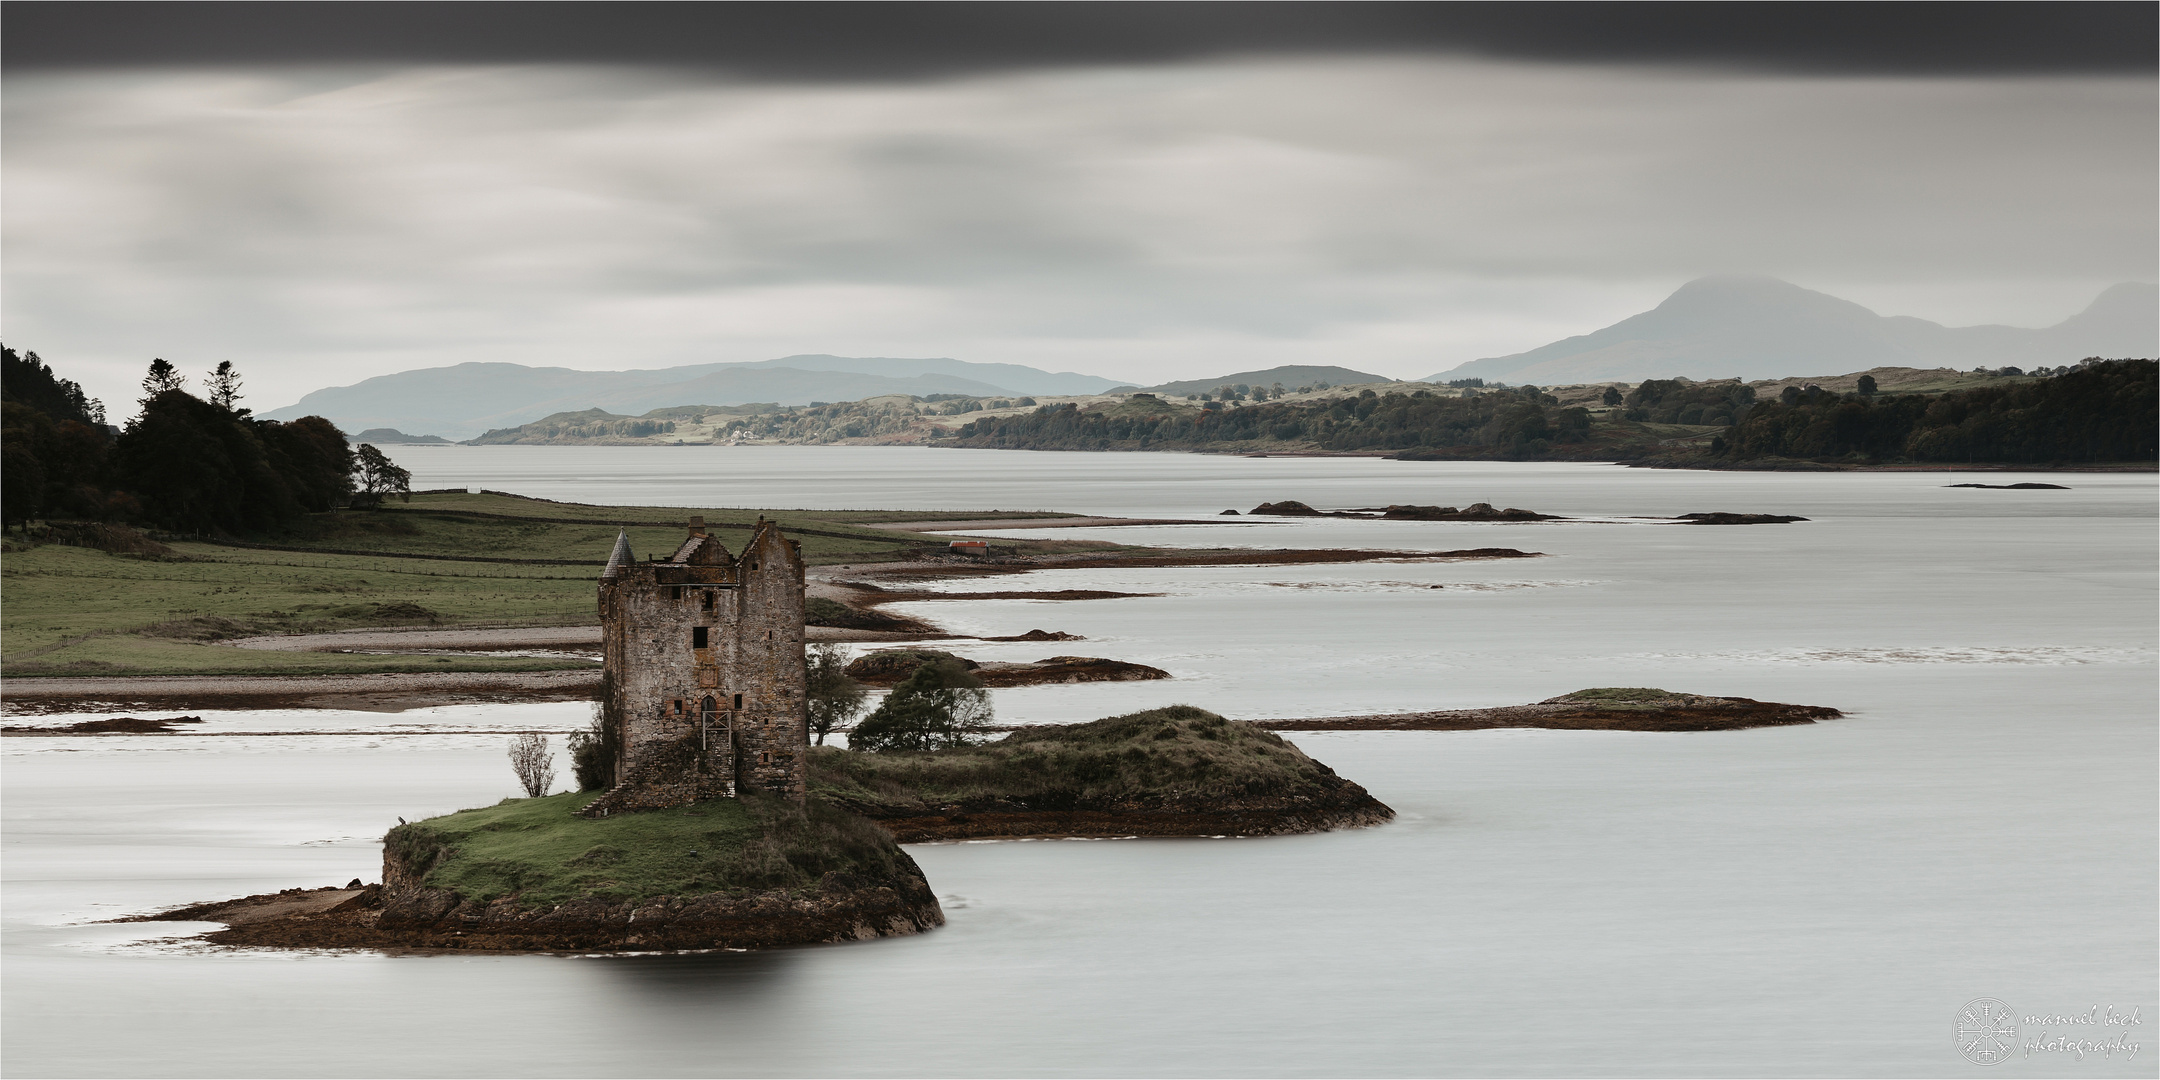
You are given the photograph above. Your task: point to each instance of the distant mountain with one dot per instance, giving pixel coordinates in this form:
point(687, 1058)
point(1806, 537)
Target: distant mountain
point(466, 399)
point(1291, 377)
point(388, 436)
point(1763, 328)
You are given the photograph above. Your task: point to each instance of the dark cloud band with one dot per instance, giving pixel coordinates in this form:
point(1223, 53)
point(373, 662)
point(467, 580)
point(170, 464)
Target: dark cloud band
point(877, 41)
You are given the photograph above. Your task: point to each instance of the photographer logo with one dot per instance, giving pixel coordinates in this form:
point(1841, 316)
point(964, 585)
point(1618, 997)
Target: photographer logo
point(1987, 1031)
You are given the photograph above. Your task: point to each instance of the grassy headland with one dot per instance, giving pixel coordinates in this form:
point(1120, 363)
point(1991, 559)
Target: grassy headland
point(441, 560)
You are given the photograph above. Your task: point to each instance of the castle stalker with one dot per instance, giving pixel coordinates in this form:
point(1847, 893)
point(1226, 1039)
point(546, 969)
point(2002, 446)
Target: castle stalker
point(704, 661)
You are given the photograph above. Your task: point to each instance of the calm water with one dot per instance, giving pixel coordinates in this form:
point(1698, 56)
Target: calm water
point(1817, 900)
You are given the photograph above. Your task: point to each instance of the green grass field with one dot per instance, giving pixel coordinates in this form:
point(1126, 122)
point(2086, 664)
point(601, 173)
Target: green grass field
point(540, 850)
point(79, 611)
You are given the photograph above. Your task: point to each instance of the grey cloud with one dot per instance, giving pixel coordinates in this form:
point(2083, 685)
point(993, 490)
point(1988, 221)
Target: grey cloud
point(321, 226)
point(856, 41)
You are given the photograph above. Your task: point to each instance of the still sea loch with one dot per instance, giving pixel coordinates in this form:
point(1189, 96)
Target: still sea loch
point(1813, 900)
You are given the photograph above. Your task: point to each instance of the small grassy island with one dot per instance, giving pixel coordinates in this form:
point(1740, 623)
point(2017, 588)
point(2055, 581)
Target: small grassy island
point(533, 875)
point(1174, 771)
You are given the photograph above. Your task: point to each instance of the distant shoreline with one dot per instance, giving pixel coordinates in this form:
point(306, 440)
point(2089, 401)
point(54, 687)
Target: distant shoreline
point(1388, 455)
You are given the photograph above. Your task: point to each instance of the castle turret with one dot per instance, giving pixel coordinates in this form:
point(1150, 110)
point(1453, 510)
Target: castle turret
point(704, 681)
point(620, 557)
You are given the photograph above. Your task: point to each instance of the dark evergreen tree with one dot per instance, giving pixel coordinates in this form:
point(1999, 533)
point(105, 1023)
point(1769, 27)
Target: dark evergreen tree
point(224, 385)
point(198, 468)
point(313, 456)
point(162, 377)
point(2097, 411)
point(53, 444)
point(26, 380)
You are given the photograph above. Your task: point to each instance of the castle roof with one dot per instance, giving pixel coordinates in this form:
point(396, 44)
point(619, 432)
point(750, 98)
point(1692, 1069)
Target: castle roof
point(620, 557)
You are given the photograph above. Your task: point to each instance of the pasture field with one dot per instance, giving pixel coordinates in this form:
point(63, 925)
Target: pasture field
point(440, 560)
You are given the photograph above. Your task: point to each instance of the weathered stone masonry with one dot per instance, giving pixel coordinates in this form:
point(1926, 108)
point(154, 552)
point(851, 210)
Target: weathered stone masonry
point(703, 654)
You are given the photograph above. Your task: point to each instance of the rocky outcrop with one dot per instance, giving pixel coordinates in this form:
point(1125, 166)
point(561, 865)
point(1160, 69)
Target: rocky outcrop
point(1621, 709)
point(1040, 635)
point(402, 914)
point(1067, 669)
point(1737, 519)
point(1405, 512)
point(1287, 508)
point(1473, 512)
point(888, 667)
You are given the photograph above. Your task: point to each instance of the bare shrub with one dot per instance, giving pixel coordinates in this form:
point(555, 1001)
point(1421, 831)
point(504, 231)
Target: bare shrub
point(534, 765)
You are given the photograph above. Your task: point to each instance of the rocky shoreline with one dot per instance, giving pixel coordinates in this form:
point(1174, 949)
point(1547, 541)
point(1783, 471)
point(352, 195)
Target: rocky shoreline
point(1356, 809)
point(1486, 513)
point(888, 667)
point(436, 920)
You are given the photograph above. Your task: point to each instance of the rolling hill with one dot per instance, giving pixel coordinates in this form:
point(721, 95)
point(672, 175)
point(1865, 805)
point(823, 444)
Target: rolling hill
point(466, 399)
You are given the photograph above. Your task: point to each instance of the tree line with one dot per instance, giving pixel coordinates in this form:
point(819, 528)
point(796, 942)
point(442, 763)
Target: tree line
point(190, 464)
point(1517, 422)
point(2099, 410)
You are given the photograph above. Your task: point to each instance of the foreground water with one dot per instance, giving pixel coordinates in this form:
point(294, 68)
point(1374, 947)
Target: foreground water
point(1819, 900)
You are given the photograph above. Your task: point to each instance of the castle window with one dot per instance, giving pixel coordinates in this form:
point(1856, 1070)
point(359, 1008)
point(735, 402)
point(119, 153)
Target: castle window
point(677, 703)
point(697, 637)
point(705, 599)
point(674, 592)
point(738, 701)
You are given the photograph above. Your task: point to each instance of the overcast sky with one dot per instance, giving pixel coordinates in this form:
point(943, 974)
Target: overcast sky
point(318, 218)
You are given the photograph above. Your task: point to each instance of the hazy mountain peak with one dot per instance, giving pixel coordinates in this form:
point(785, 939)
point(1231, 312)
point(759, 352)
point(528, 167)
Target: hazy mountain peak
point(1764, 328)
point(1729, 296)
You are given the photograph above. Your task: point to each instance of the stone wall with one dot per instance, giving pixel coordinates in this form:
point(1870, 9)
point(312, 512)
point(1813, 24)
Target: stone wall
point(773, 724)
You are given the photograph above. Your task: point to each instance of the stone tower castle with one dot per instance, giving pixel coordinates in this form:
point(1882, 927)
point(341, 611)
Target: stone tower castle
point(705, 681)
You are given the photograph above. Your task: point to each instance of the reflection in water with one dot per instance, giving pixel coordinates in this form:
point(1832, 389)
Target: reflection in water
point(699, 981)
